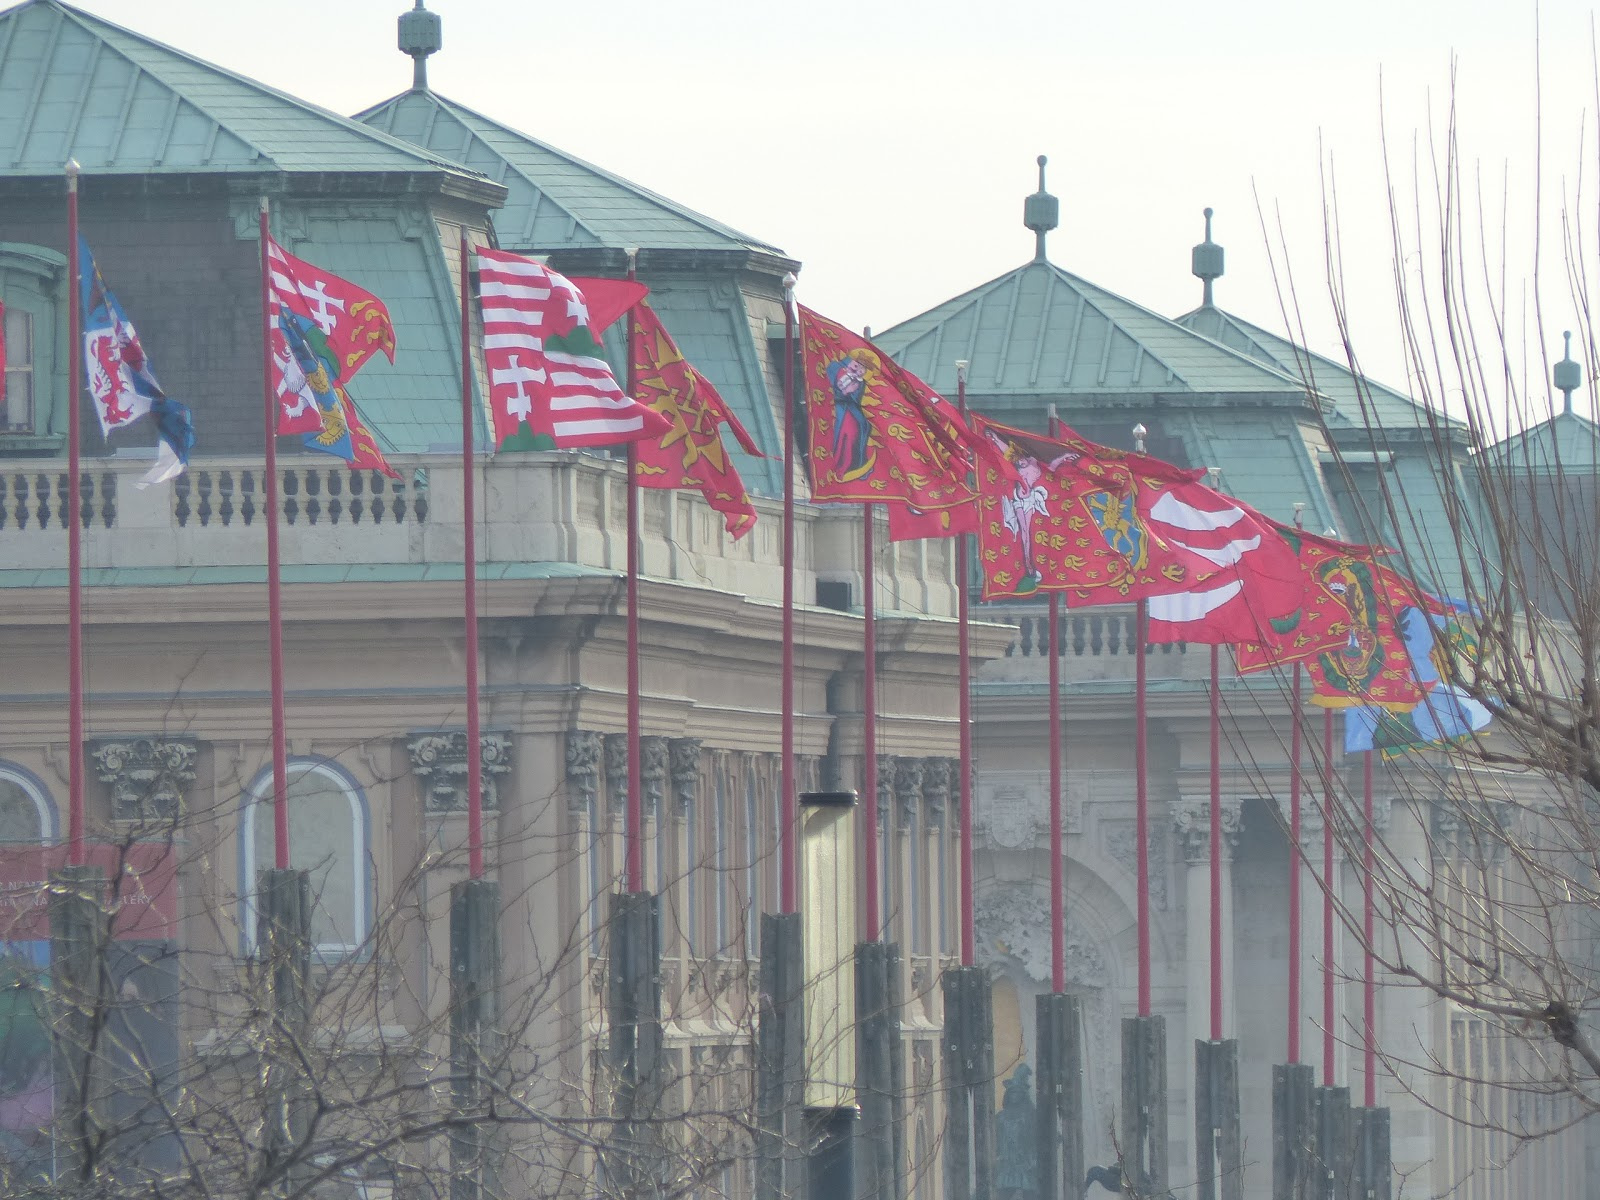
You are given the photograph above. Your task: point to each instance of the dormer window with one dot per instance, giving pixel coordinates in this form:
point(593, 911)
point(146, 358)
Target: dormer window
point(33, 323)
point(16, 390)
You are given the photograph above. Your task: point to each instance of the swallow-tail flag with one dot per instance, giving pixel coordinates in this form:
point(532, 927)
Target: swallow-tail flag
point(691, 453)
point(123, 386)
point(550, 386)
point(1370, 666)
point(877, 433)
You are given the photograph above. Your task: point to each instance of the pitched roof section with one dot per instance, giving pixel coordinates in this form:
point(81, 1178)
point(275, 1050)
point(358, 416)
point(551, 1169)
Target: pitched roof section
point(1041, 332)
point(1566, 444)
point(1357, 400)
point(74, 86)
point(556, 201)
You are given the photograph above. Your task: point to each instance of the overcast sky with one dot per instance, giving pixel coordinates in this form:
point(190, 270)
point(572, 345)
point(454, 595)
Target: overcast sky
point(889, 145)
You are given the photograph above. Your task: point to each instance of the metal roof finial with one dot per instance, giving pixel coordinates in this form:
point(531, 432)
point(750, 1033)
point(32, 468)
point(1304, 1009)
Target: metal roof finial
point(1041, 212)
point(1206, 263)
point(421, 34)
point(1567, 375)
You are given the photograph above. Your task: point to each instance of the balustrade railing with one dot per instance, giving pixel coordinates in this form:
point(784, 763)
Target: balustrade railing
point(1083, 633)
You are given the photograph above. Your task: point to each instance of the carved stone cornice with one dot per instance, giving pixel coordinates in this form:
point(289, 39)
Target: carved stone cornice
point(439, 761)
point(616, 756)
point(148, 776)
point(584, 749)
point(939, 778)
point(908, 782)
point(684, 766)
point(1191, 821)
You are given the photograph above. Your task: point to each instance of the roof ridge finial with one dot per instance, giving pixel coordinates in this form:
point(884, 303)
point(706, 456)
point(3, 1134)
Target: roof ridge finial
point(1205, 262)
point(1567, 375)
point(1041, 212)
point(421, 34)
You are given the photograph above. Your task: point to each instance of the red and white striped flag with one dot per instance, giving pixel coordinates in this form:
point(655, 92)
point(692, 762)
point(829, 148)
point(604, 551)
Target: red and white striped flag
point(549, 384)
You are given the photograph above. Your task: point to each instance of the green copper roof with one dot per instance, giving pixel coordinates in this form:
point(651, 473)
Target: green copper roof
point(1041, 333)
point(74, 86)
point(556, 201)
point(1355, 397)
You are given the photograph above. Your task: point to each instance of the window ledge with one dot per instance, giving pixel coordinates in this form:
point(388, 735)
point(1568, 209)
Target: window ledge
point(31, 443)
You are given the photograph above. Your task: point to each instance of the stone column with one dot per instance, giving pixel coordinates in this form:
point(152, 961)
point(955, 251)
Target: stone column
point(1191, 818)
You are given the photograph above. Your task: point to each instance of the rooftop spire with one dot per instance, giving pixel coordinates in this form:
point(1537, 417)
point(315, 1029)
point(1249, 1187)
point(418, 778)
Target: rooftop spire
point(1206, 262)
point(420, 35)
point(1567, 374)
point(1041, 212)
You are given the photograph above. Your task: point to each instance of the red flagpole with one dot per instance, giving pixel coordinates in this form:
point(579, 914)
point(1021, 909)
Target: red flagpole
point(1141, 776)
point(969, 954)
point(1216, 844)
point(1294, 874)
point(75, 854)
point(470, 575)
point(869, 724)
point(1058, 882)
point(635, 816)
point(280, 746)
point(788, 801)
point(1329, 883)
point(1368, 991)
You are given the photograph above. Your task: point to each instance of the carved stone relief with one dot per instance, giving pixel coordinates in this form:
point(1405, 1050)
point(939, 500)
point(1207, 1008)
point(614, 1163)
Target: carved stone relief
point(439, 761)
point(653, 750)
point(684, 765)
point(616, 772)
point(939, 777)
point(148, 776)
point(1191, 821)
point(583, 768)
point(1013, 922)
point(908, 781)
point(1120, 840)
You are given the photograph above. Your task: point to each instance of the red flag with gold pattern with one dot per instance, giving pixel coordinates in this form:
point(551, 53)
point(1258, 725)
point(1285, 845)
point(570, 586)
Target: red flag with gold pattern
point(690, 454)
point(876, 432)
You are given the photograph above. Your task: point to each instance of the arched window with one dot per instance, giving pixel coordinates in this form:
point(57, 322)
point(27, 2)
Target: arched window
point(26, 811)
point(328, 836)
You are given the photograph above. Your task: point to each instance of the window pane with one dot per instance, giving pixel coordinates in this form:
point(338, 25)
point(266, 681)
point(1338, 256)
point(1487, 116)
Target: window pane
point(19, 817)
point(16, 404)
point(321, 841)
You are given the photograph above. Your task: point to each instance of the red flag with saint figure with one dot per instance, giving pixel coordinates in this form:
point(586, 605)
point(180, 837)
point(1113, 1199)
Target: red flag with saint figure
point(876, 431)
point(690, 454)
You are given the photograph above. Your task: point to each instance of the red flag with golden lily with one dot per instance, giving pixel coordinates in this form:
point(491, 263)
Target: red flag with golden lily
point(876, 431)
point(690, 454)
point(1102, 525)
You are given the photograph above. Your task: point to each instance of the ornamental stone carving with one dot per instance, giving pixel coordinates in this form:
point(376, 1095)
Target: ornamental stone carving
point(1121, 838)
point(616, 772)
point(683, 755)
point(439, 761)
point(148, 776)
point(1191, 821)
point(908, 781)
point(653, 750)
point(939, 777)
point(886, 782)
point(583, 768)
point(1010, 817)
point(1013, 922)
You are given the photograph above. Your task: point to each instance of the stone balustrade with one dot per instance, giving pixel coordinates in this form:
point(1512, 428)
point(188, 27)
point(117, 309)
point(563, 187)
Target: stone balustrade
point(554, 507)
point(1094, 643)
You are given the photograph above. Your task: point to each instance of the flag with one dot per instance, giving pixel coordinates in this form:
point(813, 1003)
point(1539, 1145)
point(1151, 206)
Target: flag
point(1101, 525)
point(121, 383)
point(351, 326)
point(877, 433)
point(1258, 573)
point(1371, 666)
point(549, 384)
point(691, 453)
point(1446, 713)
point(1321, 620)
point(907, 524)
point(310, 369)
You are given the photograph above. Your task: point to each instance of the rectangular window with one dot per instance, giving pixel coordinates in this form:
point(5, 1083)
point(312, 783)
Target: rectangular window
point(16, 401)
